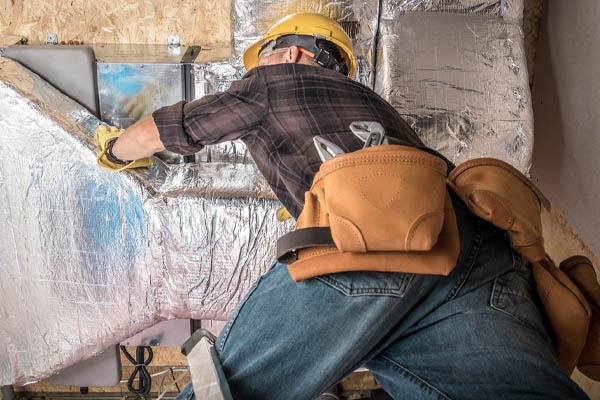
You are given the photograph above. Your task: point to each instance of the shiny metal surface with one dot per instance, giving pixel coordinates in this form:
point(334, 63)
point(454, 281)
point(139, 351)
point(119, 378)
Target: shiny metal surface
point(130, 91)
point(252, 18)
point(459, 77)
point(88, 258)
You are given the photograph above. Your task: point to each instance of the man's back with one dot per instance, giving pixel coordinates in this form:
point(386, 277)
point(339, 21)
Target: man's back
point(304, 102)
point(277, 110)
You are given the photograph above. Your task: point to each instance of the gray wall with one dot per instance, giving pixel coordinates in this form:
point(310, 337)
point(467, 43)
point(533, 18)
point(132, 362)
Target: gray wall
point(566, 103)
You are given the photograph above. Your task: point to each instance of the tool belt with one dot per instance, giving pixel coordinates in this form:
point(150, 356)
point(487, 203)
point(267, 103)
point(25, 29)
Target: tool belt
point(387, 208)
point(383, 208)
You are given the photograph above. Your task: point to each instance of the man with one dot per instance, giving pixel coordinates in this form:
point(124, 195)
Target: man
point(475, 333)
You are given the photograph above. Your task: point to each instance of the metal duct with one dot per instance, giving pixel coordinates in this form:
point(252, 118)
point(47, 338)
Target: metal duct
point(252, 18)
point(459, 77)
point(88, 257)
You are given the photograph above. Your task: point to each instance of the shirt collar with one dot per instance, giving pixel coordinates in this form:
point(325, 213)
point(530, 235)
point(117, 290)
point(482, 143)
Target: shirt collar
point(290, 69)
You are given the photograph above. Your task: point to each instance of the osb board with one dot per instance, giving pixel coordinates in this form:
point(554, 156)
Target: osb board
point(201, 22)
point(8, 40)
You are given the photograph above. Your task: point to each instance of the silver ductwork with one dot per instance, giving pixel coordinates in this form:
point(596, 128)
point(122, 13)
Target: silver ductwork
point(88, 257)
point(456, 71)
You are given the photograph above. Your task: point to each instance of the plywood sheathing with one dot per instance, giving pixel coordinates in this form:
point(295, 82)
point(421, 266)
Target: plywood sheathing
point(9, 40)
point(124, 21)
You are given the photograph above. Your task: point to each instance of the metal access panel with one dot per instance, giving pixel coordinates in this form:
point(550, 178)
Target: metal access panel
point(135, 80)
point(129, 92)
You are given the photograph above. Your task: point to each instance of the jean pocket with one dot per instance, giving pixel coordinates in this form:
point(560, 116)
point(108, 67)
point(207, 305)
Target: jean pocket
point(369, 283)
point(513, 294)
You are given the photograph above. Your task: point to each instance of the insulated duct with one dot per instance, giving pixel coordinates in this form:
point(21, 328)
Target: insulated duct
point(456, 71)
point(89, 257)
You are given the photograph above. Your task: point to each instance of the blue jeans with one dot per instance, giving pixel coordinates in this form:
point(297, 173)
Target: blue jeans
point(474, 334)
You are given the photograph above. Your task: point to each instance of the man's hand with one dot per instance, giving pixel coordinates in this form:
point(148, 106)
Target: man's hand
point(104, 138)
point(140, 140)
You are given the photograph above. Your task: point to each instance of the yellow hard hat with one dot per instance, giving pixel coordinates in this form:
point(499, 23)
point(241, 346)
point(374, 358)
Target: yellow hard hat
point(308, 24)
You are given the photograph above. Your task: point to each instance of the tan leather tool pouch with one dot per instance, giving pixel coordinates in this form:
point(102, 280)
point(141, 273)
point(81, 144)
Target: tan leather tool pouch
point(500, 194)
point(440, 260)
point(567, 312)
point(582, 274)
point(388, 209)
point(383, 198)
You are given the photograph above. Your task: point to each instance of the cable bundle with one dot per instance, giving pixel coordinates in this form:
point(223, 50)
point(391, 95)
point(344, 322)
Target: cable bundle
point(144, 378)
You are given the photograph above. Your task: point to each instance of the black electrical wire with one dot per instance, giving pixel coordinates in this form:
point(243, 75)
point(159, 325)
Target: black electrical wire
point(174, 380)
point(144, 378)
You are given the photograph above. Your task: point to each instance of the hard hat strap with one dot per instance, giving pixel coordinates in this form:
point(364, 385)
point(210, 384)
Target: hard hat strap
point(320, 56)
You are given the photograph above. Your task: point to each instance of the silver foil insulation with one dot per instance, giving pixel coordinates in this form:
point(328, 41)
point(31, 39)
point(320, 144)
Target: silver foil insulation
point(456, 71)
point(89, 257)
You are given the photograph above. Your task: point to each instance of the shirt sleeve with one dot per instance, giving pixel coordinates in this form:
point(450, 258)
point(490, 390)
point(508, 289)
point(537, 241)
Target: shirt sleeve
point(185, 128)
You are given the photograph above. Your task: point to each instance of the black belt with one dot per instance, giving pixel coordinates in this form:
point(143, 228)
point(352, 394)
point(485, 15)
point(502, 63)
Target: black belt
point(289, 244)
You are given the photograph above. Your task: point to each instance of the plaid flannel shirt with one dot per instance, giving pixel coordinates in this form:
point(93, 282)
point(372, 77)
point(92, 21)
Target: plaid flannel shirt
point(276, 110)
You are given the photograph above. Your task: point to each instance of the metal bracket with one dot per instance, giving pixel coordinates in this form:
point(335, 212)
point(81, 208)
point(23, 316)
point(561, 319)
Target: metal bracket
point(51, 38)
point(174, 41)
point(174, 45)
